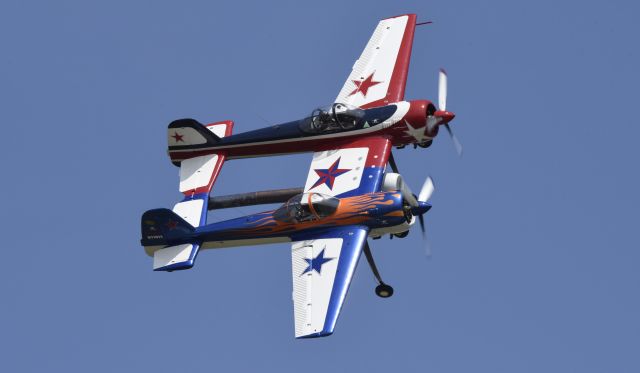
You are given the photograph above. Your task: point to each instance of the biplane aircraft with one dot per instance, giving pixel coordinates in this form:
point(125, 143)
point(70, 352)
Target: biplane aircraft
point(348, 195)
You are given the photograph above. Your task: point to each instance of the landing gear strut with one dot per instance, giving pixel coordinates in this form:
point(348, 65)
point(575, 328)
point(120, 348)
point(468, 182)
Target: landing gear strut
point(382, 290)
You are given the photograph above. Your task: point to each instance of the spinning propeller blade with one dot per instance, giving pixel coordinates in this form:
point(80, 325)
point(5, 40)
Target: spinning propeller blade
point(425, 194)
point(442, 106)
point(442, 90)
point(427, 244)
point(456, 142)
point(427, 190)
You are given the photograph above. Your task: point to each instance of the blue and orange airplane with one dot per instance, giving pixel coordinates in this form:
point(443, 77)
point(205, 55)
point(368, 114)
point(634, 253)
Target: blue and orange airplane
point(348, 195)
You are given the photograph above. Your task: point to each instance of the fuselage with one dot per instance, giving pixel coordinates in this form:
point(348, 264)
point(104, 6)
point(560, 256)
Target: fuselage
point(402, 123)
point(382, 210)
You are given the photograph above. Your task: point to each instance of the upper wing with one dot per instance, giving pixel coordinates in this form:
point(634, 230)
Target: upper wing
point(380, 74)
point(349, 167)
point(323, 266)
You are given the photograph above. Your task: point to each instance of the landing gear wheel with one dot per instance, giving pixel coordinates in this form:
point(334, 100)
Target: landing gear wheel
point(425, 144)
point(384, 291)
point(402, 234)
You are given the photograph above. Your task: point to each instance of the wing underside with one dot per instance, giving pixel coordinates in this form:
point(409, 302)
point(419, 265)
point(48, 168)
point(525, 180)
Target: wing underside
point(348, 168)
point(322, 268)
point(323, 262)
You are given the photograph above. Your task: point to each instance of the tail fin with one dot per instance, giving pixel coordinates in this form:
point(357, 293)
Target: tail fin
point(186, 132)
point(188, 137)
point(169, 239)
point(164, 227)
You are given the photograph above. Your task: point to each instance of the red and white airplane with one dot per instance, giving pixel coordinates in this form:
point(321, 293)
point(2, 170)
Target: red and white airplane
point(371, 104)
point(351, 141)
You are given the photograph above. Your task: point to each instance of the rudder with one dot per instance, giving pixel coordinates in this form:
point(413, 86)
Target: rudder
point(169, 239)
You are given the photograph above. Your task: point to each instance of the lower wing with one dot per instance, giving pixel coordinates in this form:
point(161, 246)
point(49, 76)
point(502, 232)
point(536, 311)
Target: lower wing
point(323, 265)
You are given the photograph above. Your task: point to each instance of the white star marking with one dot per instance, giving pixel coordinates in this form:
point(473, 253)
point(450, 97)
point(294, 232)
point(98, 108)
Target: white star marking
point(416, 133)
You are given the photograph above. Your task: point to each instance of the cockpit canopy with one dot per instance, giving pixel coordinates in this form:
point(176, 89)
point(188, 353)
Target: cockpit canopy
point(307, 207)
point(333, 118)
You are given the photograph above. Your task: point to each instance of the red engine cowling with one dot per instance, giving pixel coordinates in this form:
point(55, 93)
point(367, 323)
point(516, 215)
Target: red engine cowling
point(417, 115)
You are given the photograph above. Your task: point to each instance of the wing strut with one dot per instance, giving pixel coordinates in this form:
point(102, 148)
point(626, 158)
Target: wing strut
point(392, 163)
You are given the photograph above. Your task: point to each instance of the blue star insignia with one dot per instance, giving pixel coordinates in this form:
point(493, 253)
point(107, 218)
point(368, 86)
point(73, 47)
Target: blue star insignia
point(316, 263)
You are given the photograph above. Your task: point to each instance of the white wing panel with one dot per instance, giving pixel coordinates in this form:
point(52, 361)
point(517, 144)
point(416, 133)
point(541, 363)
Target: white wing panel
point(322, 266)
point(314, 264)
point(337, 171)
point(372, 73)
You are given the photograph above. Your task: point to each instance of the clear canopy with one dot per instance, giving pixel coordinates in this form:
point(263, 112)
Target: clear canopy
point(333, 118)
point(307, 207)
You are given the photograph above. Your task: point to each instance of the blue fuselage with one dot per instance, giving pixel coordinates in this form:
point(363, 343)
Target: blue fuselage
point(374, 210)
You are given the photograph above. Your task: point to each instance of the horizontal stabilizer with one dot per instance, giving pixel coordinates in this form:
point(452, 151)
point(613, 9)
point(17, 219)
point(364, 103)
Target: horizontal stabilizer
point(175, 258)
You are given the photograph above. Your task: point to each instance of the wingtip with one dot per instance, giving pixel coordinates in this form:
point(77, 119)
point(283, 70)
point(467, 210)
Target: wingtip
point(410, 15)
point(315, 335)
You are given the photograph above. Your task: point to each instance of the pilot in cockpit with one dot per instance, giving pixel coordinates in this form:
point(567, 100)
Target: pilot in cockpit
point(307, 207)
point(334, 118)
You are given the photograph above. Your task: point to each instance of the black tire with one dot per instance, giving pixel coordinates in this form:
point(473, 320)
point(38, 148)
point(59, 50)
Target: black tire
point(384, 291)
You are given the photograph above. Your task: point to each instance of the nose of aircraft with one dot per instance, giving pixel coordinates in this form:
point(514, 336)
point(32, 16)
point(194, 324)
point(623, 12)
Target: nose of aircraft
point(445, 116)
point(422, 208)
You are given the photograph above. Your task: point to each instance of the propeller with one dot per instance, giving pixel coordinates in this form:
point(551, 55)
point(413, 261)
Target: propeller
point(425, 194)
point(442, 108)
point(427, 244)
point(442, 90)
point(427, 190)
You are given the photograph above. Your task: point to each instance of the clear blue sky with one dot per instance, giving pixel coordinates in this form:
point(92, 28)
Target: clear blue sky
point(534, 230)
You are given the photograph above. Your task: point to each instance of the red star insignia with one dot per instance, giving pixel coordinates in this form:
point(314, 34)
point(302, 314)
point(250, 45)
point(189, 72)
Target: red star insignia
point(363, 86)
point(177, 136)
point(171, 224)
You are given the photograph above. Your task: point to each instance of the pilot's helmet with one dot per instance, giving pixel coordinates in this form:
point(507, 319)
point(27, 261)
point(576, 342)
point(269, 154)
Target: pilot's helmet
point(340, 108)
